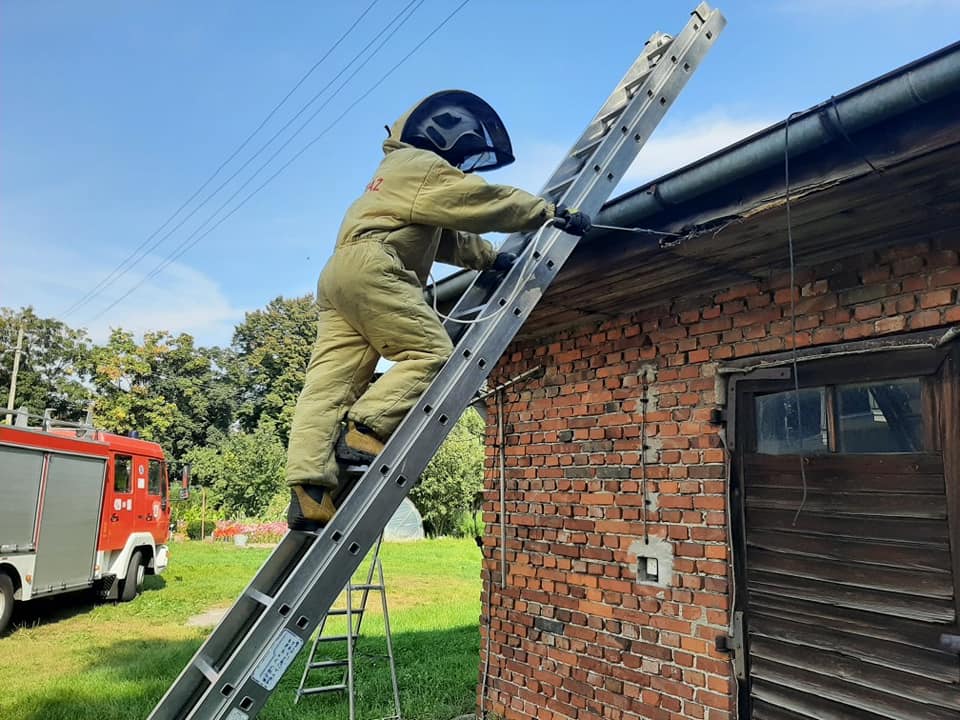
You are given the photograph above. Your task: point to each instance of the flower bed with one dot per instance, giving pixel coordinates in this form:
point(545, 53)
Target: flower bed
point(256, 532)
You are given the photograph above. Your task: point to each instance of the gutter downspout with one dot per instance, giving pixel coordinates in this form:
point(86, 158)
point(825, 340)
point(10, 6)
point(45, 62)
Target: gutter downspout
point(906, 88)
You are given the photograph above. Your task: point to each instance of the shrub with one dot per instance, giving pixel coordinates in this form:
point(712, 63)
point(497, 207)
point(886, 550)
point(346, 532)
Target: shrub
point(453, 479)
point(245, 471)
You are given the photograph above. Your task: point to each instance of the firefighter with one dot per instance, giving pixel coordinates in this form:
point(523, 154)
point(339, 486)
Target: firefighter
point(423, 204)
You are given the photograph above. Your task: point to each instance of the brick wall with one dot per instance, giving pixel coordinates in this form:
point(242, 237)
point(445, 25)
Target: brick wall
point(577, 632)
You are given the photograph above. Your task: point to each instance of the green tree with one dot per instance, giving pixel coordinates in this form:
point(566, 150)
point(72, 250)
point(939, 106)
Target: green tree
point(165, 388)
point(52, 361)
point(271, 349)
point(245, 471)
point(454, 477)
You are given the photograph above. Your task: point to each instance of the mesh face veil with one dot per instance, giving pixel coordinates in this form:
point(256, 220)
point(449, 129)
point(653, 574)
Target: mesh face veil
point(461, 128)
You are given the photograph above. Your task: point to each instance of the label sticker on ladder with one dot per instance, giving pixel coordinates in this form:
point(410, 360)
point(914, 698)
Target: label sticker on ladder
point(237, 714)
point(277, 660)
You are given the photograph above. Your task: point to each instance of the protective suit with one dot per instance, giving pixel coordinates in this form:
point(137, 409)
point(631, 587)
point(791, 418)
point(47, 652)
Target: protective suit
point(416, 209)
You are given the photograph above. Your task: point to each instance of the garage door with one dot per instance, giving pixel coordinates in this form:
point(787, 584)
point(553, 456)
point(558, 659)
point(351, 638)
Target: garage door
point(847, 560)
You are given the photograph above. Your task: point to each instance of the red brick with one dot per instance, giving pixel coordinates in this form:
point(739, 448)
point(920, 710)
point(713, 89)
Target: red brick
point(948, 276)
point(867, 312)
point(936, 298)
point(927, 318)
point(891, 324)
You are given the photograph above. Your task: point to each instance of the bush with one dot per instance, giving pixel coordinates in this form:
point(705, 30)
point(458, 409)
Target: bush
point(191, 512)
point(194, 528)
point(453, 479)
point(245, 471)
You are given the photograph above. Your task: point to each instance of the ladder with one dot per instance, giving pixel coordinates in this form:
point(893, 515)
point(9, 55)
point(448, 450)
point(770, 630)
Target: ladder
point(234, 672)
point(353, 614)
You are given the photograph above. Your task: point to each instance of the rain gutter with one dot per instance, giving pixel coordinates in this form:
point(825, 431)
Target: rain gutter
point(907, 88)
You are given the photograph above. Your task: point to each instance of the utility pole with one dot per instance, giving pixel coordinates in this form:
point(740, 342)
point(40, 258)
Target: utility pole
point(13, 376)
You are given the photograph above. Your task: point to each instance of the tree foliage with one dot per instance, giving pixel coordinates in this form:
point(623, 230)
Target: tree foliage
point(271, 349)
point(52, 362)
point(188, 398)
point(454, 477)
point(245, 471)
point(165, 388)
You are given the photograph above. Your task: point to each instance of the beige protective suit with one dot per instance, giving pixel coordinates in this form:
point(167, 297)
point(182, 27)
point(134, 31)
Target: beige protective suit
point(417, 208)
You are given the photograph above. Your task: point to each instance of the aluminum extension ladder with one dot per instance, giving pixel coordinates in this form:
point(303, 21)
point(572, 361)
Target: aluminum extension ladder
point(233, 674)
point(353, 614)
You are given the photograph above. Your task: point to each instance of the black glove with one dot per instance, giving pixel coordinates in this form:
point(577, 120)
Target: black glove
point(571, 221)
point(503, 262)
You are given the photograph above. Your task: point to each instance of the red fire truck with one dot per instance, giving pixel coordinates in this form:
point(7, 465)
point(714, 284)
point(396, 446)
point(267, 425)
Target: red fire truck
point(79, 508)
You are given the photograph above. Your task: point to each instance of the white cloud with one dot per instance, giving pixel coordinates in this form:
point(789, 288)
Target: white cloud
point(665, 152)
point(180, 299)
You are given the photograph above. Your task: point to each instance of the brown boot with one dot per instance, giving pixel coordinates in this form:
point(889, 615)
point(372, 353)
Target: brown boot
point(311, 508)
point(357, 444)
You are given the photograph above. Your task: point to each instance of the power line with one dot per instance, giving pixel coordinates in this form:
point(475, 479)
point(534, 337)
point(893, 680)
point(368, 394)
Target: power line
point(415, 3)
point(190, 241)
point(136, 256)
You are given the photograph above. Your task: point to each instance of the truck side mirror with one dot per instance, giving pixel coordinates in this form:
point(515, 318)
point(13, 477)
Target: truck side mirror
point(185, 483)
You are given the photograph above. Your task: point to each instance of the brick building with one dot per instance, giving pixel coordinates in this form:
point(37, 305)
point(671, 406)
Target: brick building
point(701, 522)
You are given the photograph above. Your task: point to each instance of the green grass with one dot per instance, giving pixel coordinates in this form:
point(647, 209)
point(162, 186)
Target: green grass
point(70, 659)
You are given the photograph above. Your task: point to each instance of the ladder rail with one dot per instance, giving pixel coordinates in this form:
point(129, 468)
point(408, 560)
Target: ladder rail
point(352, 634)
point(234, 672)
point(348, 679)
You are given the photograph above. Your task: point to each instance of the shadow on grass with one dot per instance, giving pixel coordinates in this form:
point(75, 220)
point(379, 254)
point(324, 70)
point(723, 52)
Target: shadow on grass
point(45, 611)
point(437, 675)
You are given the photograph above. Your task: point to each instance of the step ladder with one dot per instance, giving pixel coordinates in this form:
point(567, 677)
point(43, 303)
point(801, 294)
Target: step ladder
point(353, 614)
point(233, 674)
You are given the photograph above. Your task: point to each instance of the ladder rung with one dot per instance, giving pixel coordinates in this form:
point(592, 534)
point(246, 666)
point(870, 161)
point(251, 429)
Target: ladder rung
point(608, 117)
point(204, 666)
point(631, 87)
point(323, 689)
point(260, 597)
point(470, 312)
point(369, 587)
point(588, 147)
point(336, 638)
point(555, 190)
point(327, 664)
point(342, 611)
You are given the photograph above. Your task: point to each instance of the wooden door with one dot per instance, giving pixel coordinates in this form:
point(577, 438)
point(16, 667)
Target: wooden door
point(848, 532)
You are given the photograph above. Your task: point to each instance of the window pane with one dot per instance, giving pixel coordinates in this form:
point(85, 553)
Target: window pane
point(883, 417)
point(782, 430)
point(121, 473)
point(154, 478)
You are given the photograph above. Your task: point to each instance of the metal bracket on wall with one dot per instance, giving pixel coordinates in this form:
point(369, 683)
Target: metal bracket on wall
point(733, 645)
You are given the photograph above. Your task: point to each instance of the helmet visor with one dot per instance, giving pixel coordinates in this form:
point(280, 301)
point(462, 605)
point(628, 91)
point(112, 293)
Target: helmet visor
point(462, 128)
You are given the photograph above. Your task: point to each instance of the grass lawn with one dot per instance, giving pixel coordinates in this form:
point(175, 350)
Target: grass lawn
point(70, 659)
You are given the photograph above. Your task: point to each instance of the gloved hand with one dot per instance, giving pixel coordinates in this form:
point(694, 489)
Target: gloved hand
point(503, 262)
point(571, 221)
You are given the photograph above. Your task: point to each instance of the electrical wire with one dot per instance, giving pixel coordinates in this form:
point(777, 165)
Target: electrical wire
point(414, 4)
point(136, 256)
point(793, 311)
point(645, 231)
point(193, 239)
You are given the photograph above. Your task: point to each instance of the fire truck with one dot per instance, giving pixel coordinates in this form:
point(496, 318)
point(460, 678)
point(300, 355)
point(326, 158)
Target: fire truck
point(79, 508)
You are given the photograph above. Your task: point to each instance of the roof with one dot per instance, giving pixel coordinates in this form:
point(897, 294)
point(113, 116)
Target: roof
point(872, 167)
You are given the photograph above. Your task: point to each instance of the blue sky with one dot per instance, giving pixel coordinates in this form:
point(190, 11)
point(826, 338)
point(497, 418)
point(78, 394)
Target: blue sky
point(113, 113)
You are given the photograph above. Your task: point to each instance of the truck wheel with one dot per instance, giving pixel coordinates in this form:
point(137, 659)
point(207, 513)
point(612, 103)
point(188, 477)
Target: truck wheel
point(133, 583)
point(6, 600)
